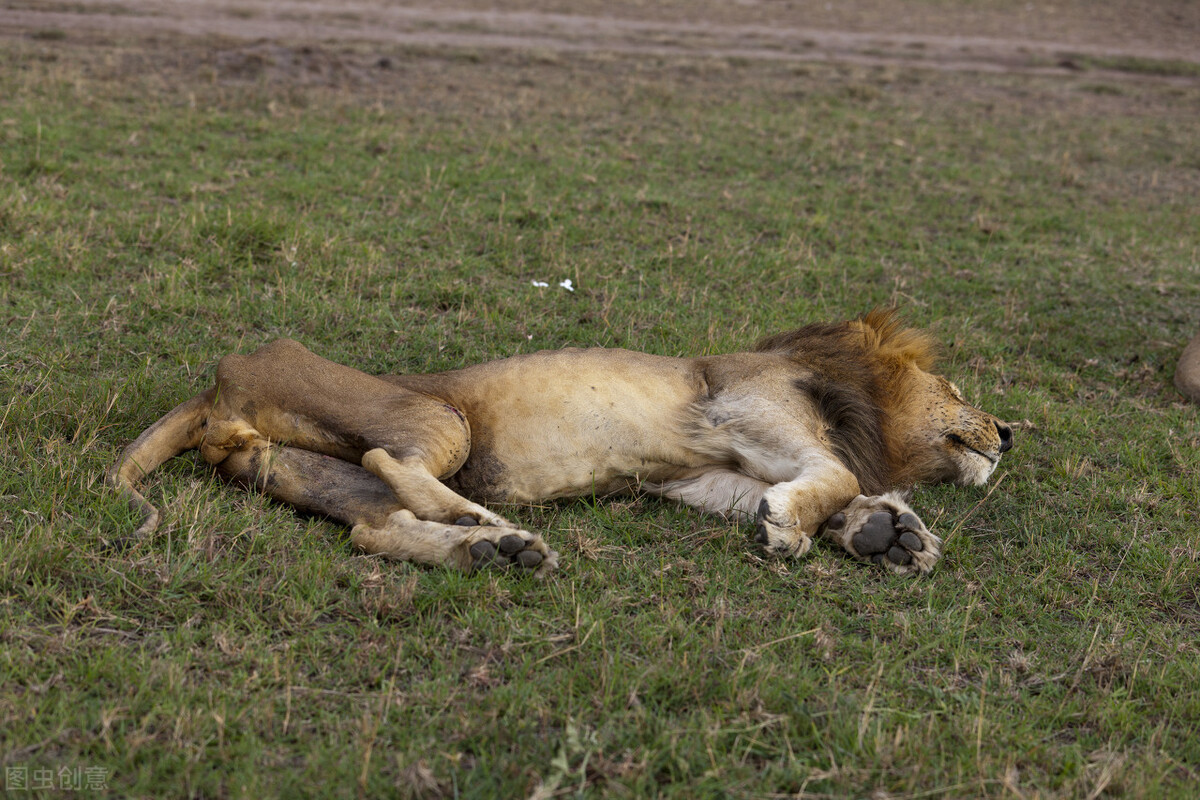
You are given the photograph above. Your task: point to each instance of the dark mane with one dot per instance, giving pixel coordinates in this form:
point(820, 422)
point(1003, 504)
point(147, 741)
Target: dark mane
point(853, 369)
point(855, 426)
point(879, 335)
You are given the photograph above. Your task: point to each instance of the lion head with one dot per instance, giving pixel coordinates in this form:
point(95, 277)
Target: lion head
point(892, 421)
point(939, 437)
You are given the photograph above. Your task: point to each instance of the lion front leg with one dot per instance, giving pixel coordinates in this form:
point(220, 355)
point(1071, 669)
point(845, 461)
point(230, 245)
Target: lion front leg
point(884, 530)
point(780, 533)
point(790, 513)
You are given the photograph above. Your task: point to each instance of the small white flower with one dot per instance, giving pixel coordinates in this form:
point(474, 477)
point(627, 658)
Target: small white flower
point(567, 285)
point(539, 283)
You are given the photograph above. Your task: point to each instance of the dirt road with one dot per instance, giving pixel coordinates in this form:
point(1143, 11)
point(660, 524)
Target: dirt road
point(1146, 40)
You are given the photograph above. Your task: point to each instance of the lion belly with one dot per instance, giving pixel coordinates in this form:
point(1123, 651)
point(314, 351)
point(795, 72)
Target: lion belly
point(569, 422)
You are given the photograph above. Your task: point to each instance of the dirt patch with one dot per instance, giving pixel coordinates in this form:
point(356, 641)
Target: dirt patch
point(1145, 41)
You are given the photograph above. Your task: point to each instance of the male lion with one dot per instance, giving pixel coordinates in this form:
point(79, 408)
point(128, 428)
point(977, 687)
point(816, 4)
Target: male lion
point(819, 429)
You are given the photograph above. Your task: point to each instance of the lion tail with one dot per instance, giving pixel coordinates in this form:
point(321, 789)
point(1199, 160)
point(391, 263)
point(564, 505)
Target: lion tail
point(180, 430)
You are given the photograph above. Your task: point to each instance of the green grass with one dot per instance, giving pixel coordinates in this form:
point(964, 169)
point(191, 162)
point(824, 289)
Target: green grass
point(152, 220)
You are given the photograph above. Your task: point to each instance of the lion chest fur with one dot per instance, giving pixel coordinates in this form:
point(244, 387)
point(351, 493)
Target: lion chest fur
point(580, 421)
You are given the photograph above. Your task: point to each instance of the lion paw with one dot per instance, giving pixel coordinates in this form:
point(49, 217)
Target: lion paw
point(491, 547)
point(780, 537)
point(884, 530)
point(468, 546)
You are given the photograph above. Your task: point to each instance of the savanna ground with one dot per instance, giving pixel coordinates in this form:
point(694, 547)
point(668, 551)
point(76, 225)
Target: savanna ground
point(172, 192)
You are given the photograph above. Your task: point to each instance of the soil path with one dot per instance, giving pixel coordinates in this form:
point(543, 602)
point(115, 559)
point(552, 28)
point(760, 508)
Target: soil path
point(990, 35)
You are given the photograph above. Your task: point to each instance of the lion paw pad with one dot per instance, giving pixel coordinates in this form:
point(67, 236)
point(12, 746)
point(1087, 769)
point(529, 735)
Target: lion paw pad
point(882, 536)
point(885, 538)
point(885, 531)
point(507, 551)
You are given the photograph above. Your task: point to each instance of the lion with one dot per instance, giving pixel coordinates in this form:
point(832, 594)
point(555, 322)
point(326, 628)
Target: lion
point(823, 430)
point(1187, 373)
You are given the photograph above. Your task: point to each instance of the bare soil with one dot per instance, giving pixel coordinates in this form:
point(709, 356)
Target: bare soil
point(1129, 39)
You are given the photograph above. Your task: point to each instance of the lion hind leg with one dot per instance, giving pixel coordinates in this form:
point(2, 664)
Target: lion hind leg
point(346, 492)
point(407, 538)
point(440, 526)
point(311, 482)
point(419, 491)
point(884, 530)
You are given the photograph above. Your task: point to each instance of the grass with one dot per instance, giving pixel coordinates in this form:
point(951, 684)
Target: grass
point(152, 220)
point(1166, 67)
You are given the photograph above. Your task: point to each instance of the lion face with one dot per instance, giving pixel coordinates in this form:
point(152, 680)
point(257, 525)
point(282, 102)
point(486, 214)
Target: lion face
point(944, 438)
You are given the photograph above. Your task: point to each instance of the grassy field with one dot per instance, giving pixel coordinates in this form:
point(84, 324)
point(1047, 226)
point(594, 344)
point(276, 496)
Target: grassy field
point(159, 209)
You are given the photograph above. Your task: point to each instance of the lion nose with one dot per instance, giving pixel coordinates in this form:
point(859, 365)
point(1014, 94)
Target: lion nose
point(1005, 437)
